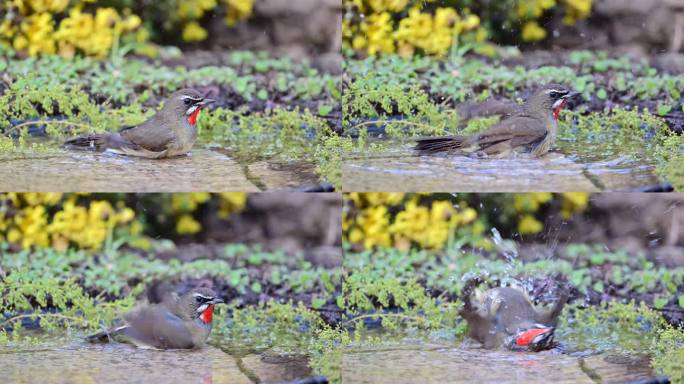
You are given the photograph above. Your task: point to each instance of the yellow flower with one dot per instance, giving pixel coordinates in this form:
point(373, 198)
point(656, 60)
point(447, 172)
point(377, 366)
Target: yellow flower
point(188, 202)
point(533, 9)
point(238, 10)
point(387, 5)
point(7, 30)
point(131, 22)
point(194, 32)
point(530, 202)
point(470, 22)
point(533, 32)
point(529, 225)
point(577, 9)
point(378, 31)
point(187, 225)
point(38, 33)
point(574, 202)
point(126, 215)
point(55, 6)
point(468, 215)
point(231, 202)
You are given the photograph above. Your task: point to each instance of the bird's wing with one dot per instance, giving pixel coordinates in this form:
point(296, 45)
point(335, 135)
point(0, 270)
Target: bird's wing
point(153, 135)
point(157, 327)
point(520, 130)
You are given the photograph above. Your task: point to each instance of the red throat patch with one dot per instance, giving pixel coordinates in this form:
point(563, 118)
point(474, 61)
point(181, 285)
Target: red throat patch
point(558, 109)
point(525, 338)
point(192, 119)
point(208, 315)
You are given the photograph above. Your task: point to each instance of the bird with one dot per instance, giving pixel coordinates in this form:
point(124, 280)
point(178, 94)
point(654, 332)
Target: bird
point(178, 322)
point(170, 132)
point(506, 317)
point(530, 128)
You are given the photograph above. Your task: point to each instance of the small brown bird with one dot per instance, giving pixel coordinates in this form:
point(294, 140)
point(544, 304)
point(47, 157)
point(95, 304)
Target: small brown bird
point(531, 129)
point(177, 323)
point(170, 132)
point(506, 317)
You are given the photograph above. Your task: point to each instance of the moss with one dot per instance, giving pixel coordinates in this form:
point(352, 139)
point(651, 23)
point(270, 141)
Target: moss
point(669, 353)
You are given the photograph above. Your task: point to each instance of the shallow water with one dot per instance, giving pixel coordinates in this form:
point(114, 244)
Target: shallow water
point(204, 170)
point(80, 362)
point(433, 363)
point(560, 171)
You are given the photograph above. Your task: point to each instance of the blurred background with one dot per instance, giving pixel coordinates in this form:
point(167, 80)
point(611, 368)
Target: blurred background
point(637, 28)
point(295, 28)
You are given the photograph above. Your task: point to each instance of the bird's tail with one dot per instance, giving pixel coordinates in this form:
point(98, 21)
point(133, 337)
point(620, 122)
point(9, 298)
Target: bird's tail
point(557, 308)
point(104, 336)
point(436, 144)
point(95, 142)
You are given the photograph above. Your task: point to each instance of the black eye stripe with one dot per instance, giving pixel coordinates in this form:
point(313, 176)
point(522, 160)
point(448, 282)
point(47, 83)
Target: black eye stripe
point(557, 94)
point(190, 101)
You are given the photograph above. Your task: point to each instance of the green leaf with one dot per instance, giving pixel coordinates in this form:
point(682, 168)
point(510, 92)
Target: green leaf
point(597, 259)
point(598, 286)
point(262, 94)
point(256, 287)
point(601, 66)
point(317, 303)
point(602, 94)
point(261, 66)
point(276, 279)
point(660, 302)
point(681, 301)
point(324, 109)
point(664, 109)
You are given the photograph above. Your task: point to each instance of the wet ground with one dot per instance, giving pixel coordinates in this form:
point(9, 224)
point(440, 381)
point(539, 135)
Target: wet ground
point(204, 170)
point(402, 170)
point(426, 363)
point(79, 362)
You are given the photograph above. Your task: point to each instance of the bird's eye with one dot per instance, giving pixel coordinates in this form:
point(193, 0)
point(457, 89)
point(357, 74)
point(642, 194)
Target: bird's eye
point(199, 299)
point(554, 94)
point(187, 101)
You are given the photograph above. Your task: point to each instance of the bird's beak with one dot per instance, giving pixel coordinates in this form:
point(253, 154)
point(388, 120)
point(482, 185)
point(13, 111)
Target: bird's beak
point(216, 301)
point(206, 101)
point(571, 95)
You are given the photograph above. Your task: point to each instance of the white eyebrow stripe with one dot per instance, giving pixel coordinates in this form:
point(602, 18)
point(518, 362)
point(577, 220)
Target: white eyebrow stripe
point(184, 97)
point(202, 296)
point(556, 90)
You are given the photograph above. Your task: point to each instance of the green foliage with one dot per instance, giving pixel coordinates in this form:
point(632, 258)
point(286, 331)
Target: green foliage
point(54, 303)
point(329, 157)
point(613, 326)
point(290, 134)
point(117, 274)
point(370, 298)
point(668, 351)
